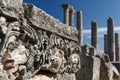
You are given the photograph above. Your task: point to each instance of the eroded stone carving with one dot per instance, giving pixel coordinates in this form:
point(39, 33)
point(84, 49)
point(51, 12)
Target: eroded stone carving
point(75, 62)
point(32, 42)
point(27, 50)
point(56, 60)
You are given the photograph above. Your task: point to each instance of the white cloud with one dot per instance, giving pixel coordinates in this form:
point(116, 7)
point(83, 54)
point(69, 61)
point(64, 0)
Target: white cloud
point(99, 36)
point(86, 31)
point(101, 31)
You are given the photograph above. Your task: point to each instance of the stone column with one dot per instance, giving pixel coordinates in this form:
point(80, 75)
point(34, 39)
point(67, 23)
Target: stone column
point(79, 27)
point(105, 44)
point(71, 16)
point(66, 13)
point(111, 39)
point(116, 47)
point(94, 36)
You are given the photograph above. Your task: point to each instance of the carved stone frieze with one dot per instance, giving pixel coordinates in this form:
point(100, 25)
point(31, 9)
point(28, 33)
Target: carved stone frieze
point(27, 50)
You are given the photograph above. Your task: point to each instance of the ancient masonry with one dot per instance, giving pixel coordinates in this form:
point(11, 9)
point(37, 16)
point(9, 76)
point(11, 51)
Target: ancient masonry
point(94, 38)
point(79, 27)
point(105, 44)
point(111, 39)
point(117, 47)
point(36, 46)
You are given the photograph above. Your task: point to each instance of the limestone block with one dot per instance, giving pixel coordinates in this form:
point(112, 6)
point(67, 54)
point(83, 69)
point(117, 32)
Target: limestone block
point(66, 76)
point(11, 9)
point(96, 68)
point(90, 65)
point(56, 61)
point(39, 19)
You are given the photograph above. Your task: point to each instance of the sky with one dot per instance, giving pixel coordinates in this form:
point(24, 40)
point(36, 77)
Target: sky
point(99, 10)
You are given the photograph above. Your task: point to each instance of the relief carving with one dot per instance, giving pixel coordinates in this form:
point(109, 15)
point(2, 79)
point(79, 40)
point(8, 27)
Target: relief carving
point(26, 51)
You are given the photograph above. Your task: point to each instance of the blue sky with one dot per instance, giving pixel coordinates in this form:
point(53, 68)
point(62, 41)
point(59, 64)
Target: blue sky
point(99, 10)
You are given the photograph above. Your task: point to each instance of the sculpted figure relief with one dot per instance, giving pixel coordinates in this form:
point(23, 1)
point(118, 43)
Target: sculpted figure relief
point(14, 58)
point(25, 51)
point(57, 60)
point(75, 60)
point(3, 73)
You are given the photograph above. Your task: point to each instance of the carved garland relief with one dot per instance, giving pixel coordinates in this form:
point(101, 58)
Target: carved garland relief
point(26, 50)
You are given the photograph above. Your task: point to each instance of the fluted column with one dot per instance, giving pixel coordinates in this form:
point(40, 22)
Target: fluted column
point(116, 47)
point(66, 13)
point(105, 44)
point(79, 27)
point(71, 16)
point(111, 39)
point(94, 34)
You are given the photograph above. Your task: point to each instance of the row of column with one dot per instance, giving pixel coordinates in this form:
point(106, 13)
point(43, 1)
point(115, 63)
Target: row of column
point(114, 52)
point(69, 20)
point(69, 12)
point(111, 41)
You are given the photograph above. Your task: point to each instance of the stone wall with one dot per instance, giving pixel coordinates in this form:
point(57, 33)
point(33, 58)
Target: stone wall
point(33, 41)
point(34, 45)
point(95, 65)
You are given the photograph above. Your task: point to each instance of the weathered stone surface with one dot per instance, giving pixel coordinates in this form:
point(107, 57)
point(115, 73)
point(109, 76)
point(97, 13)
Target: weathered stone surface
point(66, 76)
point(66, 9)
point(11, 9)
point(37, 46)
point(79, 27)
point(105, 44)
point(37, 18)
point(27, 50)
point(94, 34)
point(45, 75)
point(111, 39)
point(90, 65)
point(117, 65)
point(117, 58)
point(95, 65)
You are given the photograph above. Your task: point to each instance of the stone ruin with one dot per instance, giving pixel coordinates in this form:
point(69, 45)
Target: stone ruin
point(36, 46)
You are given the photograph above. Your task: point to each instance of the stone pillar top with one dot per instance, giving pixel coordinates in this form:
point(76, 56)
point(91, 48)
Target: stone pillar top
point(116, 34)
point(71, 16)
point(94, 21)
point(110, 18)
point(65, 6)
point(72, 9)
point(116, 38)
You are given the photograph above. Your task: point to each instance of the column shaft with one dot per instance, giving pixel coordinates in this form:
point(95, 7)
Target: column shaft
point(71, 16)
point(105, 44)
point(79, 27)
point(94, 34)
point(111, 39)
point(116, 47)
point(66, 13)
